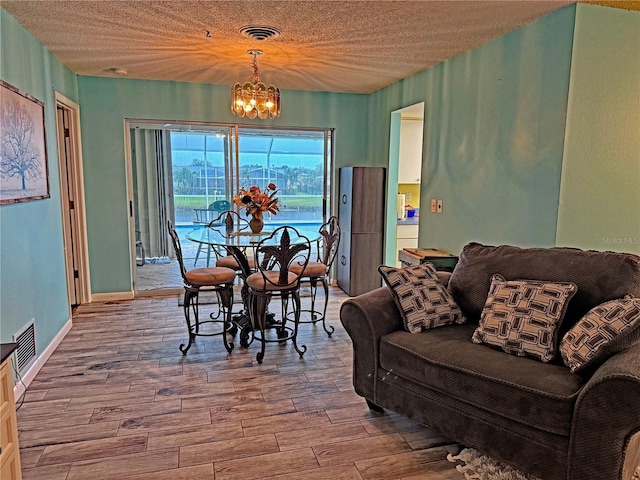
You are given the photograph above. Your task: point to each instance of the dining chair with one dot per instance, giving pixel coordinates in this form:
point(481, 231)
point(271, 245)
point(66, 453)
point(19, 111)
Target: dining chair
point(278, 252)
point(204, 216)
point(318, 272)
point(140, 255)
point(231, 223)
point(217, 279)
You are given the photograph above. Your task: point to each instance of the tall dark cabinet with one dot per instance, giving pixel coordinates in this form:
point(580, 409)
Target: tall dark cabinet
point(361, 214)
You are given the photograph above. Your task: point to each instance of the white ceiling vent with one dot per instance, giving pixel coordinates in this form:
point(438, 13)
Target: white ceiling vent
point(260, 32)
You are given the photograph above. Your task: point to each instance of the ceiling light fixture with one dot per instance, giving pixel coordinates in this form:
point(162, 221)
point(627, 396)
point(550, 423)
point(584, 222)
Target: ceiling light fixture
point(121, 72)
point(254, 98)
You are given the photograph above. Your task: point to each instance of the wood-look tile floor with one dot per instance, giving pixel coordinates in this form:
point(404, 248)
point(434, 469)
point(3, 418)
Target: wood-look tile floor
point(118, 400)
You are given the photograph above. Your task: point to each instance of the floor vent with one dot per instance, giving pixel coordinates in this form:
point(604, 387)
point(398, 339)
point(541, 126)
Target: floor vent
point(26, 351)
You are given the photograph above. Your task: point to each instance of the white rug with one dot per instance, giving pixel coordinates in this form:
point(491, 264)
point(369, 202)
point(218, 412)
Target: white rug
point(476, 466)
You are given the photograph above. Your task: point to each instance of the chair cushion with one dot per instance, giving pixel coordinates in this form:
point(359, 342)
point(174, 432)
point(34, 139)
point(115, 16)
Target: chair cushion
point(523, 317)
point(210, 276)
point(230, 261)
point(605, 330)
point(420, 297)
point(313, 269)
point(540, 395)
point(257, 282)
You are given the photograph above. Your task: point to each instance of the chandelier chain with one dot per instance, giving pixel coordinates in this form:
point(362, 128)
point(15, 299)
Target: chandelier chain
point(255, 77)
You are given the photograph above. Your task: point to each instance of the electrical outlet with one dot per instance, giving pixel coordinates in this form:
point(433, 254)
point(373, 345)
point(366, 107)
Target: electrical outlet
point(439, 207)
point(433, 205)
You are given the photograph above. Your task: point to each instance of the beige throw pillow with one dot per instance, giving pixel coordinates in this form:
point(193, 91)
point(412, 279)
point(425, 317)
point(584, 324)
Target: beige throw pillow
point(422, 300)
point(603, 331)
point(522, 316)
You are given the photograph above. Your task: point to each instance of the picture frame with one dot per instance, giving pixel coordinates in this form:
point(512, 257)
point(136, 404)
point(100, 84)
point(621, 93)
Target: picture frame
point(24, 167)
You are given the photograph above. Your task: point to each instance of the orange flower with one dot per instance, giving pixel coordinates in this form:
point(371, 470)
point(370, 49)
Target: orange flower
point(253, 200)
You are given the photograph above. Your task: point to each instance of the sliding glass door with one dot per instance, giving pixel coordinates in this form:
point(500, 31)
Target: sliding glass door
point(202, 170)
point(182, 172)
point(298, 162)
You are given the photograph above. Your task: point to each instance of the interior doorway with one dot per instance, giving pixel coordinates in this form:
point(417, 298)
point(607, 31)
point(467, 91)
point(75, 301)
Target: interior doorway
point(404, 180)
point(72, 201)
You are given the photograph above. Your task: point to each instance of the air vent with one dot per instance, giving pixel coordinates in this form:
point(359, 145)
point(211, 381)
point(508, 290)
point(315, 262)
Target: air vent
point(26, 351)
point(260, 32)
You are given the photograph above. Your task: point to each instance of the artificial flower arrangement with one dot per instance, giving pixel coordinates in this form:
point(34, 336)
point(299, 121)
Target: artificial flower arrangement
point(255, 201)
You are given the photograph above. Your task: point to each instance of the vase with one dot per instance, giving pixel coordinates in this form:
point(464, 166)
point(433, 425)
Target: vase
point(256, 223)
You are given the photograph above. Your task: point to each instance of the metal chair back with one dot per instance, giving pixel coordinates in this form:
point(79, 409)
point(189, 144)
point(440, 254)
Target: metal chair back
point(229, 222)
point(329, 241)
point(292, 248)
point(178, 249)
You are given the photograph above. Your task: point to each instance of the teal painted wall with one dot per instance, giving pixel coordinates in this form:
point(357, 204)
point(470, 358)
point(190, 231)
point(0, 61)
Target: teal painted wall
point(107, 102)
point(600, 192)
point(32, 274)
point(493, 141)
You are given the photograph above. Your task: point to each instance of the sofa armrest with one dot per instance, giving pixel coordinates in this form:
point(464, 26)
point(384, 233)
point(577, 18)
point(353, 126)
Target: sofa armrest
point(444, 277)
point(366, 318)
point(606, 416)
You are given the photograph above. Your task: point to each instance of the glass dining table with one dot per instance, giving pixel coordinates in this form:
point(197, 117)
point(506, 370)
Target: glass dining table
point(242, 244)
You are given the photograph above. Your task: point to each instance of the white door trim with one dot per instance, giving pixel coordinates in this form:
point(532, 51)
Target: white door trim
point(132, 227)
point(79, 211)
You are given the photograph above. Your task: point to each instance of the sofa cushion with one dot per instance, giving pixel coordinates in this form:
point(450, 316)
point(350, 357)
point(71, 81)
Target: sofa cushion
point(600, 276)
point(522, 317)
point(541, 395)
point(420, 297)
point(605, 330)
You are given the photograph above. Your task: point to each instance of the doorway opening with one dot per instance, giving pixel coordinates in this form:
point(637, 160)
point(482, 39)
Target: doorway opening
point(72, 201)
point(404, 180)
point(185, 172)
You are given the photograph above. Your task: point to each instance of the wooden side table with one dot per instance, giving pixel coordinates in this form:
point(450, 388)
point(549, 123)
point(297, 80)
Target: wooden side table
point(440, 259)
point(10, 452)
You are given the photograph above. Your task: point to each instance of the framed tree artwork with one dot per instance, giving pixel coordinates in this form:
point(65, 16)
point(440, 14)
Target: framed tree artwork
point(24, 171)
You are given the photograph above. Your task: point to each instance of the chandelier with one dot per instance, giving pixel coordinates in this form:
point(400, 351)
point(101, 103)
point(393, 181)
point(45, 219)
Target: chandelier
point(254, 98)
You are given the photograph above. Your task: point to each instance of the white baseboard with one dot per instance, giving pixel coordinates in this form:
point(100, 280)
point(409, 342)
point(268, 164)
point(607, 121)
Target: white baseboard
point(28, 377)
point(111, 297)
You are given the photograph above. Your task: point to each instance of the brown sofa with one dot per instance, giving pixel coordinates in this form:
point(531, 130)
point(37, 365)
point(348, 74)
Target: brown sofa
point(538, 417)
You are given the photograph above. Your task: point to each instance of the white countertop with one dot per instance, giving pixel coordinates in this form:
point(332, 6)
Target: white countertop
point(409, 221)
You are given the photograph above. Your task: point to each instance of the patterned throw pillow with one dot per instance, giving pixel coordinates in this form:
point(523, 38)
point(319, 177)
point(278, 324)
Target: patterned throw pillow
point(422, 300)
point(604, 330)
point(522, 316)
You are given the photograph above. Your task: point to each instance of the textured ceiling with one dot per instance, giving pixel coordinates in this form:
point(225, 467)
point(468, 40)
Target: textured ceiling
point(344, 46)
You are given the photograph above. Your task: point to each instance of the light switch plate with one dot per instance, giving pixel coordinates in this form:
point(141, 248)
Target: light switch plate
point(407, 197)
point(433, 205)
point(439, 207)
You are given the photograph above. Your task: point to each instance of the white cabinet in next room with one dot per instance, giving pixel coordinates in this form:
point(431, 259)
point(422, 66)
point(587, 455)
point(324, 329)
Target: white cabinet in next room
point(410, 154)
